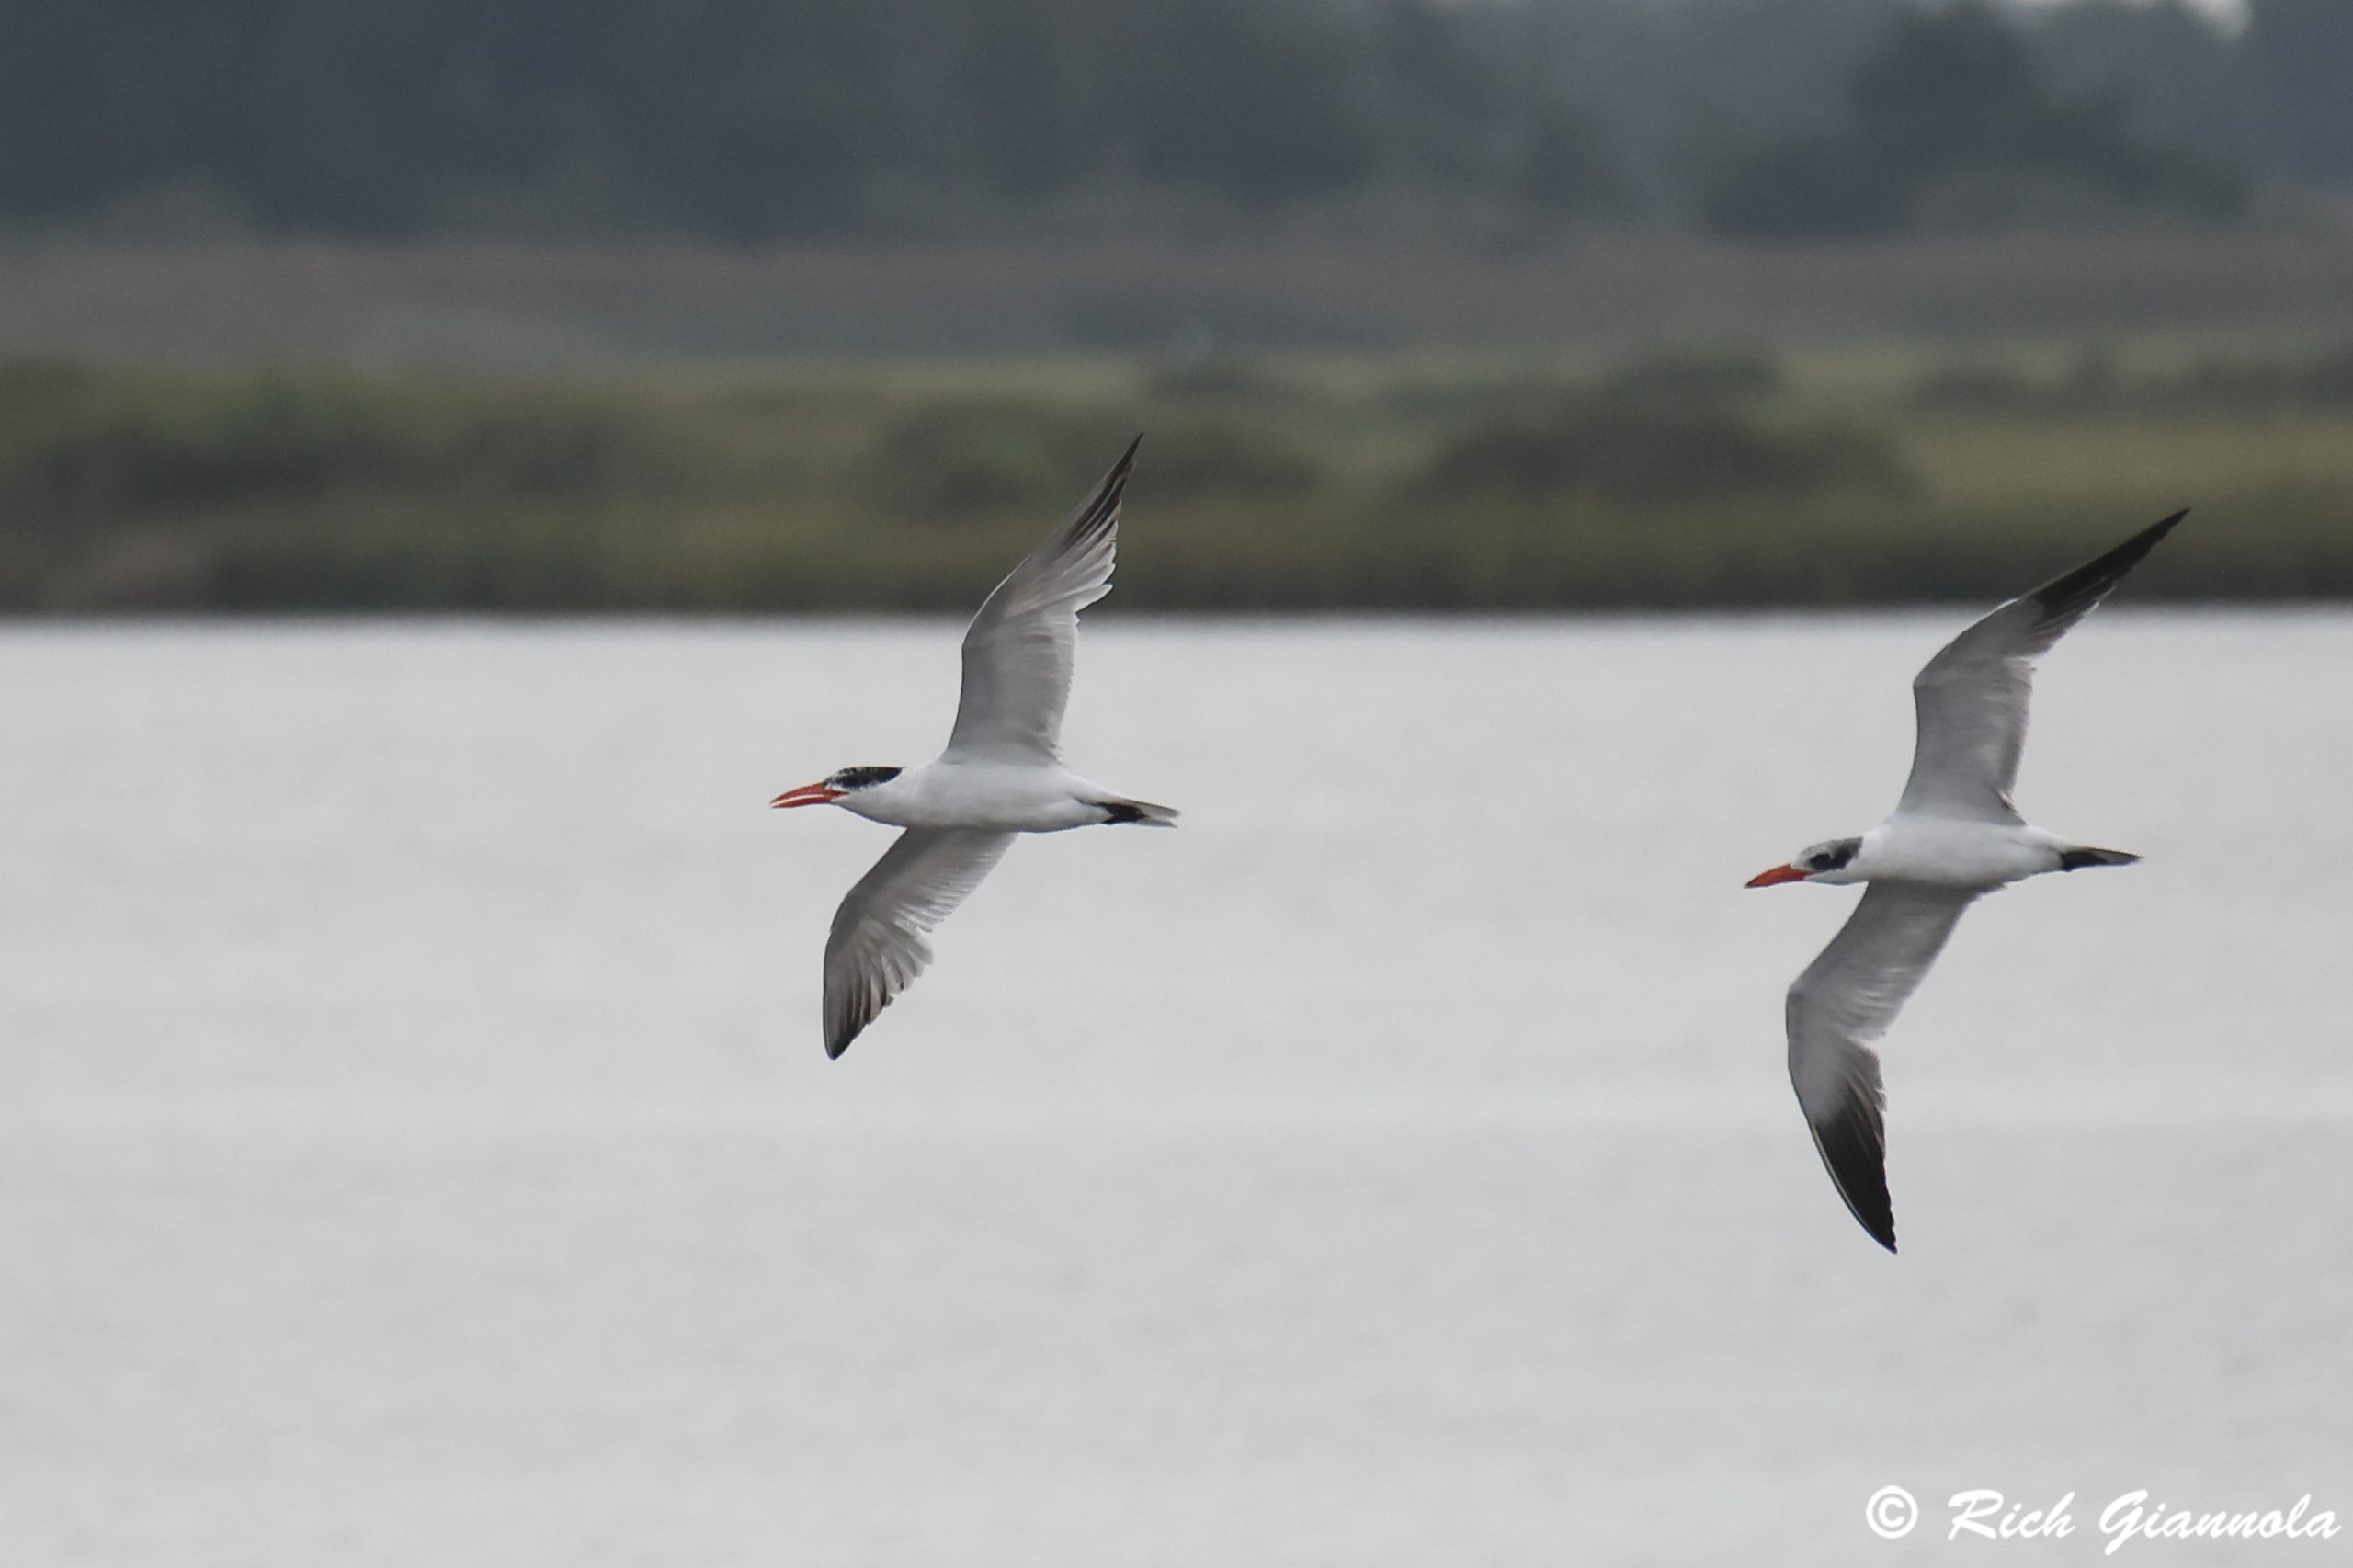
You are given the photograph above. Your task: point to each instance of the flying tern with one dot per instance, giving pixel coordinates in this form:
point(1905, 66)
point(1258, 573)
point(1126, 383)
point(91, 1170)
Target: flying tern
point(1954, 837)
point(1001, 773)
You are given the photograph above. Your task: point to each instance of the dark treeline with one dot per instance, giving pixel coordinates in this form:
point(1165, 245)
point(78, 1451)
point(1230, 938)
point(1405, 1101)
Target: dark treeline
point(752, 120)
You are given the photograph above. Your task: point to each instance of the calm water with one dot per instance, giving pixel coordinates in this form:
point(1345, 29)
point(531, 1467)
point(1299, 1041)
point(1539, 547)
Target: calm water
point(415, 1145)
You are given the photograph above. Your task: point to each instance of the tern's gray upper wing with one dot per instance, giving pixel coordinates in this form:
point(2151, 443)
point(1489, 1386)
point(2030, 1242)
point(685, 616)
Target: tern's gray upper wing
point(1972, 697)
point(1019, 648)
point(876, 947)
point(1845, 999)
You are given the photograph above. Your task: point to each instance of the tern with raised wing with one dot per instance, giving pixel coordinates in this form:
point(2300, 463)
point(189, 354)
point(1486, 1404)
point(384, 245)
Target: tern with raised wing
point(1954, 837)
point(1001, 773)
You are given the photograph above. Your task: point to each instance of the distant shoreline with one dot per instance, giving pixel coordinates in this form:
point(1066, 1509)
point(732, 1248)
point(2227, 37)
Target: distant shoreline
point(510, 308)
point(1722, 470)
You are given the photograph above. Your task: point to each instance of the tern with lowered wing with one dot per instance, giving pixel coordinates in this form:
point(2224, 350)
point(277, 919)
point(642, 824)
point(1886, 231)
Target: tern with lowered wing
point(1954, 837)
point(1001, 773)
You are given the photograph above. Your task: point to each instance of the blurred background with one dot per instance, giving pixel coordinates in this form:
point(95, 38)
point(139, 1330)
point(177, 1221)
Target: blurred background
point(755, 304)
point(417, 1146)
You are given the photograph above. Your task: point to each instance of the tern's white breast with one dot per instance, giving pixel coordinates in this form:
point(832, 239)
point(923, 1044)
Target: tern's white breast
point(1953, 852)
point(1008, 796)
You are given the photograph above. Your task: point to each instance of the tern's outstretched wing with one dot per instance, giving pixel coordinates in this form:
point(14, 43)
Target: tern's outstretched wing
point(1972, 697)
point(1845, 999)
point(1019, 648)
point(877, 946)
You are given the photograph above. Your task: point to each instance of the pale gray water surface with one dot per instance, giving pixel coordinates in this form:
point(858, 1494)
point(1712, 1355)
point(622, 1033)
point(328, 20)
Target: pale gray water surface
point(415, 1145)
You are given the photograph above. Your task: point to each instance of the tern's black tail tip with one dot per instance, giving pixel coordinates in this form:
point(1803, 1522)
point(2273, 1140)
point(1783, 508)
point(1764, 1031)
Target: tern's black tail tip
point(1142, 812)
point(2080, 859)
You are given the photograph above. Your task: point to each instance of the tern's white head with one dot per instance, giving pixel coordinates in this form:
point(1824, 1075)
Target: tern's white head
point(1829, 861)
point(836, 787)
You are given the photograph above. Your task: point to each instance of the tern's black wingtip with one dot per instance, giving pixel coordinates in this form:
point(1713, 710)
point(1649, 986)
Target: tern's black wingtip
point(2069, 596)
point(1880, 1225)
point(1114, 482)
point(1873, 1213)
point(1099, 511)
point(1853, 1146)
point(2126, 556)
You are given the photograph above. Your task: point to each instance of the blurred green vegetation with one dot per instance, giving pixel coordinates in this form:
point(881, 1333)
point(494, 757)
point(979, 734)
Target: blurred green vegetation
point(1701, 477)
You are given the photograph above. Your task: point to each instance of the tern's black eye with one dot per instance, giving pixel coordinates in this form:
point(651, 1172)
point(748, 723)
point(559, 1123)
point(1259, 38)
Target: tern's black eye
point(859, 777)
point(1833, 856)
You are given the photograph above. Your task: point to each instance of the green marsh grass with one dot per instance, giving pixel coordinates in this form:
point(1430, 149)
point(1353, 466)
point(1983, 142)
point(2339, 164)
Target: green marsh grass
point(1288, 485)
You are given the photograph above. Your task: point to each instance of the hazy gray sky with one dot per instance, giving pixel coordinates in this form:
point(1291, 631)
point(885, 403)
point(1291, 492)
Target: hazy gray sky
point(2229, 10)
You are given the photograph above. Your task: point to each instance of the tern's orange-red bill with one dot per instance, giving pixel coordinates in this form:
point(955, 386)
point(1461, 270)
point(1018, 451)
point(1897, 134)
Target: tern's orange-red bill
point(1761, 880)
